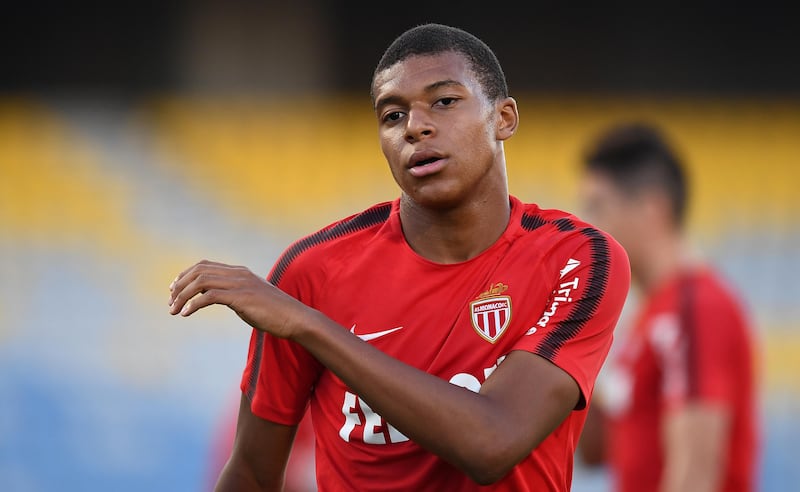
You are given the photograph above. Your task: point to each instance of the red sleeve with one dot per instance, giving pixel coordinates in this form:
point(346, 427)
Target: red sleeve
point(576, 329)
point(280, 374)
point(701, 347)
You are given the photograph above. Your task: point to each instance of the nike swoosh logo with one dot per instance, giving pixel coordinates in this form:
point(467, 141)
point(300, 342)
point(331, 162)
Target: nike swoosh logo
point(372, 336)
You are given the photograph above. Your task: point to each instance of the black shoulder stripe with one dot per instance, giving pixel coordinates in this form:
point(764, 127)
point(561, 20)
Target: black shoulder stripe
point(362, 221)
point(564, 225)
point(532, 222)
point(584, 308)
point(258, 350)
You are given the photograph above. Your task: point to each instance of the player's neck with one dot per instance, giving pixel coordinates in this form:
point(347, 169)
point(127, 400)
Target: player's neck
point(456, 234)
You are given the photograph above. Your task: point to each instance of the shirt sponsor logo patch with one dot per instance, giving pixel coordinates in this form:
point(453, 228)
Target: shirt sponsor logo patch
point(491, 313)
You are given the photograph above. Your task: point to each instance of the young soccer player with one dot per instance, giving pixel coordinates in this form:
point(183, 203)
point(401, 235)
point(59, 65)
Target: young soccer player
point(680, 398)
point(445, 340)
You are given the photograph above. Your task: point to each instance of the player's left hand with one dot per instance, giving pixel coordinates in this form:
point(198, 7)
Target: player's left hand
point(256, 301)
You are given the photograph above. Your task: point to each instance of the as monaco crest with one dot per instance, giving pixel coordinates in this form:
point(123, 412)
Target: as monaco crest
point(491, 312)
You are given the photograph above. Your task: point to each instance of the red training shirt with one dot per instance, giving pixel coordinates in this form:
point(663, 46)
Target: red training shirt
point(550, 285)
point(690, 343)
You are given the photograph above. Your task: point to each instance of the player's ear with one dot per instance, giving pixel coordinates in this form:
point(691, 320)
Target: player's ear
point(508, 117)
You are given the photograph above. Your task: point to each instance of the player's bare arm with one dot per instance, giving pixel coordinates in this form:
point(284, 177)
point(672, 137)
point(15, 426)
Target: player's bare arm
point(252, 465)
point(485, 434)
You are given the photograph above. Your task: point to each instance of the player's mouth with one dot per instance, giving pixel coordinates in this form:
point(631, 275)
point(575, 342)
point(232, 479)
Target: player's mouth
point(425, 162)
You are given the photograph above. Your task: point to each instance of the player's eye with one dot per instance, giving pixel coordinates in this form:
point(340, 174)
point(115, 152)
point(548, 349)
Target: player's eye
point(392, 116)
point(447, 101)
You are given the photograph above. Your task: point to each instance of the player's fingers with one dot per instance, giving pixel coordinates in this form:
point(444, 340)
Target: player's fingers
point(202, 267)
point(199, 283)
point(207, 298)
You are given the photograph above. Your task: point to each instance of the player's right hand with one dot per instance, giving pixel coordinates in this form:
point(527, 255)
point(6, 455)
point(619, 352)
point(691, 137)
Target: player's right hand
point(253, 299)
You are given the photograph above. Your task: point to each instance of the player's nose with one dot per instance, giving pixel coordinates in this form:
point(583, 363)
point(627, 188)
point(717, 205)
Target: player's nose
point(418, 125)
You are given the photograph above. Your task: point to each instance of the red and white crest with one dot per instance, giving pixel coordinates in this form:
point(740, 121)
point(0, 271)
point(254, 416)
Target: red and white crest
point(490, 316)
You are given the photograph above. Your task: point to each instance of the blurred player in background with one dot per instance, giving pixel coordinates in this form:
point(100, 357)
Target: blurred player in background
point(678, 398)
point(446, 340)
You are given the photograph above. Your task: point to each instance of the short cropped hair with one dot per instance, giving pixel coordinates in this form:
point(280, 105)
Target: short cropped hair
point(434, 39)
point(637, 156)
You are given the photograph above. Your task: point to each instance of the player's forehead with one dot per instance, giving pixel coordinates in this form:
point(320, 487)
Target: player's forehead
point(418, 72)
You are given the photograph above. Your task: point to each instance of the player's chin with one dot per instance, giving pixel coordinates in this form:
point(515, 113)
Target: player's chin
point(435, 194)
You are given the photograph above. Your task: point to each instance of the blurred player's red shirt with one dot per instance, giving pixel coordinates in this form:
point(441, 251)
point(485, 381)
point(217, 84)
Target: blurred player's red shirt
point(550, 285)
point(690, 344)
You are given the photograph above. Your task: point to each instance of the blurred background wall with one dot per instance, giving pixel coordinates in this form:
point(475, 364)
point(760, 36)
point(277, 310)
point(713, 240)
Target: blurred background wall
point(137, 138)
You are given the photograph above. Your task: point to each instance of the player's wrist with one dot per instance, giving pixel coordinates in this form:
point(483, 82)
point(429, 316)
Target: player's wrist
point(302, 326)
